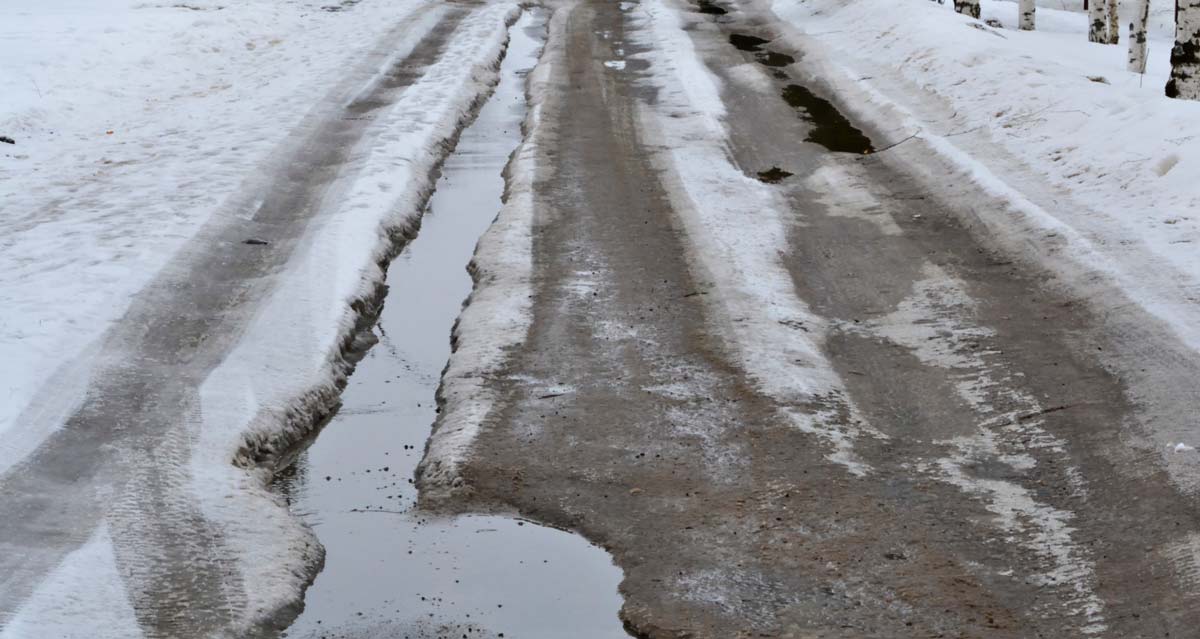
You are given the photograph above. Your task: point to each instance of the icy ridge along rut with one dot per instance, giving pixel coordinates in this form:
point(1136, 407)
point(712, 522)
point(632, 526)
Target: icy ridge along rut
point(497, 315)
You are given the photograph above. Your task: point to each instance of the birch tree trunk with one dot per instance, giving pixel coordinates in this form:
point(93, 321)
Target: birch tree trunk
point(1114, 23)
point(1097, 24)
point(1137, 37)
point(1185, 57)
point(971, 7)
point(1027, 9)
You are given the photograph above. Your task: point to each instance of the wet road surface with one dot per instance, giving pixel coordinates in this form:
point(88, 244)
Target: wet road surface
point(996, 490)
point(390, 569)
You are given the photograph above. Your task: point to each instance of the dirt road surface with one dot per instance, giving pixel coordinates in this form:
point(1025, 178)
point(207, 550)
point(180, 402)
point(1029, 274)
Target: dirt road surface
point(1000, 487)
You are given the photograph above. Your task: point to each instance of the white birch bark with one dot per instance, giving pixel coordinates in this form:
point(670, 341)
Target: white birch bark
point(1114, 23)
point(1097, 23)
point(1185, 56)
point(1137, 36)
point(1027, 10)
point(969, 7)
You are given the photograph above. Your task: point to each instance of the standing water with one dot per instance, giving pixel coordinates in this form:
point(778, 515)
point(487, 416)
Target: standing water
point(390, 570)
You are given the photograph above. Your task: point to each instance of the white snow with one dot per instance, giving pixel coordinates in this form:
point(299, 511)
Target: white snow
point(94, 235)
point(196, 96)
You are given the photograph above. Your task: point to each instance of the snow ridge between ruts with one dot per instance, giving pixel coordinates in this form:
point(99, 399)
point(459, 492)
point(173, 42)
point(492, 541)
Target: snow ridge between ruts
point(288, 366)
point(497, 315)
point(737, 239)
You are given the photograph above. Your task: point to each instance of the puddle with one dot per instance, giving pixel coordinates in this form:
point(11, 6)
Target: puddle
point(391, 571)
point(710, 8)
point(774, 59)
point(754, 44)
point(830, 128)
point(744, 42)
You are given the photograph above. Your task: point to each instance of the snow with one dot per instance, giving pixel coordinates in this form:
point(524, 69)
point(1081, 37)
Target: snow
point(190, 130)
point(195, 99)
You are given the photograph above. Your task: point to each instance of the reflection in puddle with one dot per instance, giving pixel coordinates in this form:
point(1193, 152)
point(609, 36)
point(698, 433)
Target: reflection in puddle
point(392, 571)
point(747, 42)
point(711, 8)
point(830, 128)
point(754, 44)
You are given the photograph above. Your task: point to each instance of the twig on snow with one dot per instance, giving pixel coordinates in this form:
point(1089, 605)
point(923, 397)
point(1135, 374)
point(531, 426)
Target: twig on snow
point(892, 146)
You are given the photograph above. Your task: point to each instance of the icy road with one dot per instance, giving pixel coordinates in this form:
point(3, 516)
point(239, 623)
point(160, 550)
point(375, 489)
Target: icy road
point(587, 319)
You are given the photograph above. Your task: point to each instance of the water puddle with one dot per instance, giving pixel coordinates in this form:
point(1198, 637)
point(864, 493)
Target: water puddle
point(391, 571)
point(748, 43)
point(830, 128)
point(765, 57)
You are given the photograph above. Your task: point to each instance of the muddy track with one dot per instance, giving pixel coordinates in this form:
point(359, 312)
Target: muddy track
point(1003, 497)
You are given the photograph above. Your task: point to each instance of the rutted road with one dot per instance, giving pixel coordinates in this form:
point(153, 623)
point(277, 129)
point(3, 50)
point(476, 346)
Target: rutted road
point(998, 488)
point(785, 381)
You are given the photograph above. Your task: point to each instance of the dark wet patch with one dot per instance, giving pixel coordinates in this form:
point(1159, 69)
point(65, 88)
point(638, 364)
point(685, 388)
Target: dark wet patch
point(711, 8)
point(754, 44)
point(830, 128)
point(747, 42)
point(254, 241)
point(774, 59)
point(774, 175)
